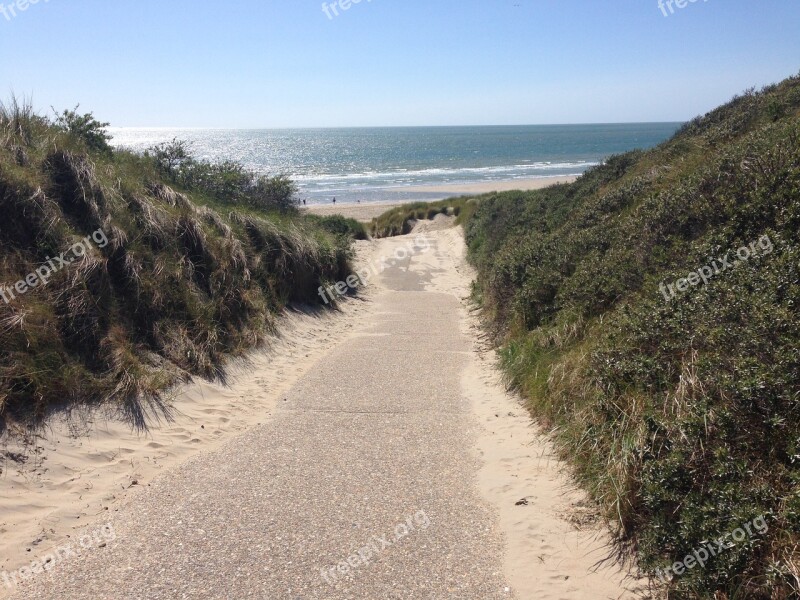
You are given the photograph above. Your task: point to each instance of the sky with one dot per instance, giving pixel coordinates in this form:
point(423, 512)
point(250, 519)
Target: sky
point(286, 63)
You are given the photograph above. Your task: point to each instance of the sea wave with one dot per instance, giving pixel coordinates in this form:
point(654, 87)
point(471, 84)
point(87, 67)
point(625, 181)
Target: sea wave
point(441, 174)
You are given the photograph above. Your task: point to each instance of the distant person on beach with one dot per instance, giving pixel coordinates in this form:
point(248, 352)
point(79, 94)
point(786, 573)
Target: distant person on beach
point(304, 201)
point(334, 199)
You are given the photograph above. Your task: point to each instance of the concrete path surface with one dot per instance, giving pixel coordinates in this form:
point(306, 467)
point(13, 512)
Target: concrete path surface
point(361, 487)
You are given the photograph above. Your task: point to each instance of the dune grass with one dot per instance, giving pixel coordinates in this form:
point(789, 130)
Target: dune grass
point(680, 414)
point(400, 219)
point(340, 225)
point(188, 278)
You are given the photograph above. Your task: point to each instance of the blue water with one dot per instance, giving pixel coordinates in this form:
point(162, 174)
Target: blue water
point(389, 164)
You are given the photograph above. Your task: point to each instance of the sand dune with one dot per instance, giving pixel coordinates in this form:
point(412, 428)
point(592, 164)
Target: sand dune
point(348, 423)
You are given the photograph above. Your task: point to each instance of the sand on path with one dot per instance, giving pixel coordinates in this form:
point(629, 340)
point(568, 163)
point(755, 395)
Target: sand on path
point(391, 468)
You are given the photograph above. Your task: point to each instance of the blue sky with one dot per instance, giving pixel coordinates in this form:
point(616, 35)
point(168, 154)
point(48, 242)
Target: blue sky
point(284, 63)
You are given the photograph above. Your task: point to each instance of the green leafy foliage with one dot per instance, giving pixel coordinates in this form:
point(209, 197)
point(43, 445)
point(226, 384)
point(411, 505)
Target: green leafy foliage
point(339, 225)
point(680, 414)
point(227, 181)
point(86, 128)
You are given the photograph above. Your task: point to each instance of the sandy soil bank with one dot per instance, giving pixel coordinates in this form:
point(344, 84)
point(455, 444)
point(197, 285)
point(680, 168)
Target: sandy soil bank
point(84, 464)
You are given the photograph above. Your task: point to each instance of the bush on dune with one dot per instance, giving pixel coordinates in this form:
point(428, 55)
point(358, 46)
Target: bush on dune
point(340, 225)
point(401, 219)
point(85, 127)
point(227, 182)
point(679, 413)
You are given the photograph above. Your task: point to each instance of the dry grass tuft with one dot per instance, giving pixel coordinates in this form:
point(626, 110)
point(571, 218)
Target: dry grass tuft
point(176, 292)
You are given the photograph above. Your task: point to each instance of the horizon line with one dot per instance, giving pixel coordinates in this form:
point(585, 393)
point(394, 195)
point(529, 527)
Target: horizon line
point(307, 127)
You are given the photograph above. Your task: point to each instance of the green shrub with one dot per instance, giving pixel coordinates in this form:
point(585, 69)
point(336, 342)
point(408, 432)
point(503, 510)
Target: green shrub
point(86, 128)
point(274, 193)
point(339, 225)
point(228, 181)
point(169, 157)
point(681, 415)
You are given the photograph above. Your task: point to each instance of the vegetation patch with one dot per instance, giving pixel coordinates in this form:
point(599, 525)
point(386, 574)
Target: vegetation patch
point(197, 262)
point(339, 225)
point(680, 414)
point(401, 219)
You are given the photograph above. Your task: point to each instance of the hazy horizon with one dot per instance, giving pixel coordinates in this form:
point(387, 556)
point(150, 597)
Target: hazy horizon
point(260, 128)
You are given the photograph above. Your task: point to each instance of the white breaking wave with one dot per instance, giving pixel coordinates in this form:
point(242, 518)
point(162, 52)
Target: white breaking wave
point(441, 174)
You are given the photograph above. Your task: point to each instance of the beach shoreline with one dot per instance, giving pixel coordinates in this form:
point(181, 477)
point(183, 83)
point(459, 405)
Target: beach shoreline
point(366, 211)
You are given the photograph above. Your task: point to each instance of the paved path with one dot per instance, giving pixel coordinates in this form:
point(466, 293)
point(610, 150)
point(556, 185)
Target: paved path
point(368, 461)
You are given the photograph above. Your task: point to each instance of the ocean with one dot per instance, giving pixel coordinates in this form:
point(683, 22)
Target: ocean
point(390, 164)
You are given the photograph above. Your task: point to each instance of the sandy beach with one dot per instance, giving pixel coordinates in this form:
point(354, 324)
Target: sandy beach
point(368, 211)
point(363, 212)
point(494, 186)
